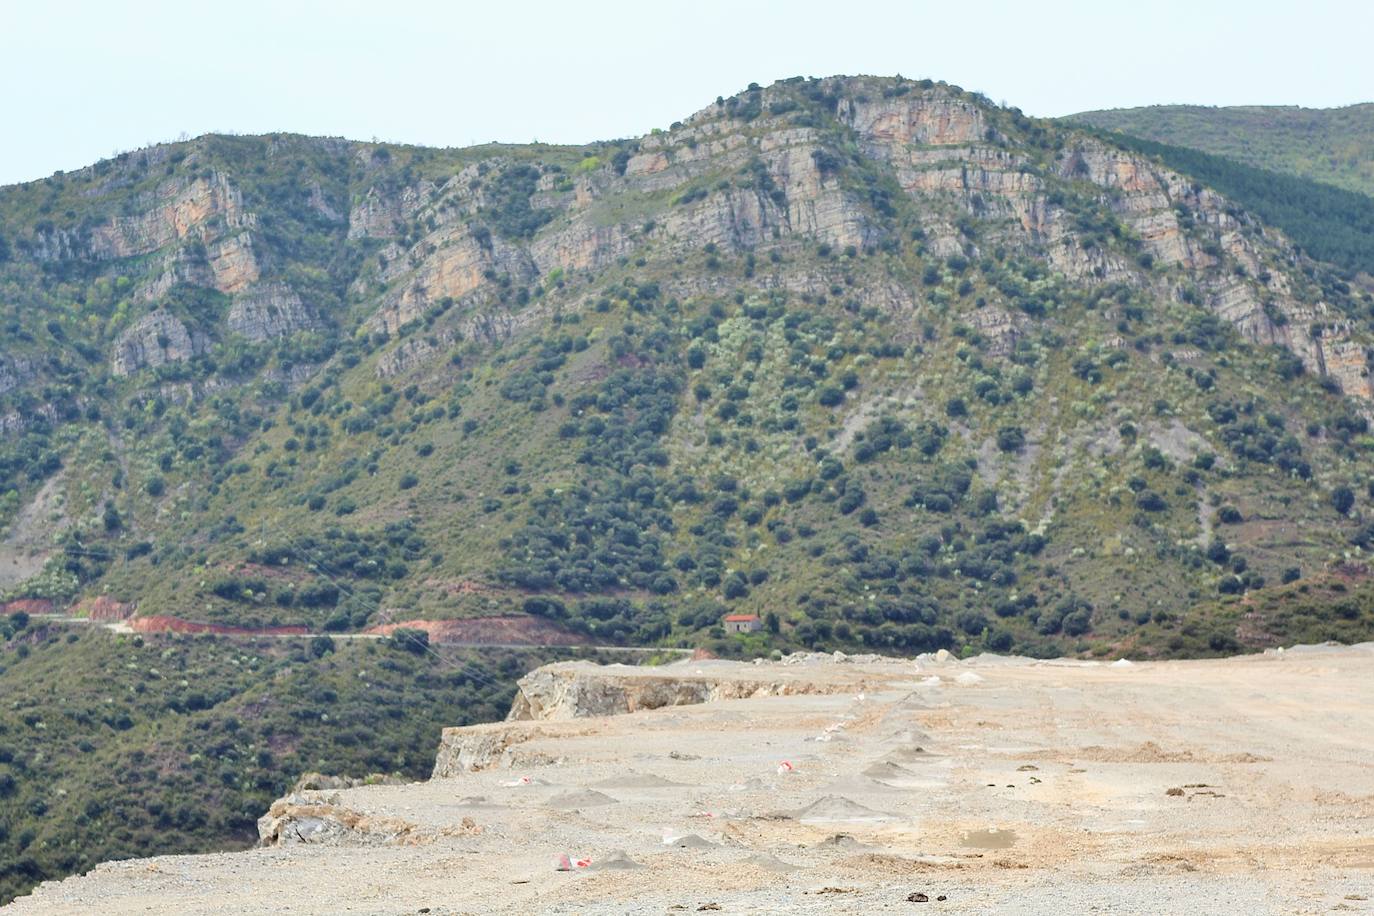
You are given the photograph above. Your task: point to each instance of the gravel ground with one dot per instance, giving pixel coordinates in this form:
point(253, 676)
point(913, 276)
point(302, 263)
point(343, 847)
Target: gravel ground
point(993, 786)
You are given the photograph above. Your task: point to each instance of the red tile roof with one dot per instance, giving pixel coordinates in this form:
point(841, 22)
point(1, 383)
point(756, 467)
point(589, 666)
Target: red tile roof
point(740, 618)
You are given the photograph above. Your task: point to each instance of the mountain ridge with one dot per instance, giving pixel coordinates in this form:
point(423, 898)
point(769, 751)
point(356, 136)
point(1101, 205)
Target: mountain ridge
point(500, 238)
point(1327, 144)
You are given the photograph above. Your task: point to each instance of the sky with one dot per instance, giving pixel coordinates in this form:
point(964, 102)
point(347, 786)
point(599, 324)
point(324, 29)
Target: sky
point(85, 80)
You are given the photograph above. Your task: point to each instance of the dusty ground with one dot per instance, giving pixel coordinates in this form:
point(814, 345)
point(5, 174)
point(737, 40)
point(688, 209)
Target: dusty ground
point(27, 544)
point(1235, 786)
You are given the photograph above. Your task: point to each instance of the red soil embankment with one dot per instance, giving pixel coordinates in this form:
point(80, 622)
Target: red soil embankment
point(159, 623)
point(511, 630)
point(28, 606)
point(104, 608)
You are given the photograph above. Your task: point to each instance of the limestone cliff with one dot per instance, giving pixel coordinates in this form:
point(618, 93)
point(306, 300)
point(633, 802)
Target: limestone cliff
point(575, 690)
point(157, 338)
point(268, 311)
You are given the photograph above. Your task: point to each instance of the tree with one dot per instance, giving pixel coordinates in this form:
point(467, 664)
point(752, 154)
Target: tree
point(830, 396)
point(411, 640)
point(1151, 501)
point(1011, 439)
point(1343, 498)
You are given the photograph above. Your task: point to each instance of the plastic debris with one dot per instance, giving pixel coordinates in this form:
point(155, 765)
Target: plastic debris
point(785, 768)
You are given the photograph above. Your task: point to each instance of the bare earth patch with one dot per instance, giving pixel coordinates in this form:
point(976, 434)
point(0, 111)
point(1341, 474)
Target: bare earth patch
point(1239, 785)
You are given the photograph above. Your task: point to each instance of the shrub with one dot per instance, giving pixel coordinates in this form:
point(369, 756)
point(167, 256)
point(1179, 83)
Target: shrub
point(1343, 499)
point(1011, 439)
point(1150, 501)
point(410, 640)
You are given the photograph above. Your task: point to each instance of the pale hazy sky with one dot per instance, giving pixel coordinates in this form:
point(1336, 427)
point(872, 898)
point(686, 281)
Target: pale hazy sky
point(83, 79)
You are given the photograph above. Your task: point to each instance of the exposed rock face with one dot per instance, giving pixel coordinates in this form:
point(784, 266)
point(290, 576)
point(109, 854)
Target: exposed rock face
point(182, 267)
point(316, 819)
point(1000, 327)
point(14, 372)
point(265, 312)
point(457, 268)
point(1347, 361)
point(178, 208)
point(15, 422)
point(104, 608)
point(202, 221)
point(232, 262)
point(155, 339)
point(921, 117)
point(379, 214)
point(574, 690)
point(484, 747)
point(943, 148)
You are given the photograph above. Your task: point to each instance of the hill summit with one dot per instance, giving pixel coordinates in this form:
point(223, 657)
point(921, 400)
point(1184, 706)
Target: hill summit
point(874, 359)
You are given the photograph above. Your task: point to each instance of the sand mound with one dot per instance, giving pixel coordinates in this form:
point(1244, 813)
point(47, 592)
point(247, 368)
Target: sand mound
point(615, 861)
point(907, 737)
point(636, 781)
point(582, 798)
point(690, 841)
point(770, 863)
point(905, 755)
point(886, 769)
point(838, 808)
point(842, 841)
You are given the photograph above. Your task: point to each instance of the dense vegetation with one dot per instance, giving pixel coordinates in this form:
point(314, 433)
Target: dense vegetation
point(1332, 145)
point(113, 747)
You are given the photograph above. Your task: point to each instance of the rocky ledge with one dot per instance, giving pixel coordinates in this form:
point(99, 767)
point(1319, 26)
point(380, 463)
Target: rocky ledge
point(837, 785)
point(575, 690)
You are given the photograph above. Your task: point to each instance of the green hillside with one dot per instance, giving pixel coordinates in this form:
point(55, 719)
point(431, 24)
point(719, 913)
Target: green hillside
point(894, 368)
point(137, 746)
point(1331, 145)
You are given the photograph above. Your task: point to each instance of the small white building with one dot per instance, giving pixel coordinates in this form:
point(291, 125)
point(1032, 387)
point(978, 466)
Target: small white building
point(743, 623)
